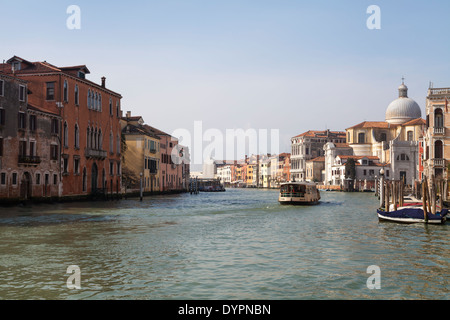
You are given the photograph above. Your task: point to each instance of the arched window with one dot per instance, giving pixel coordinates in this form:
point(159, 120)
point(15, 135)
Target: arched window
point(95, 140)
point(88, 138)
point(438, 118)
point(118, 144)
point(66, 91)
point(383, 136)
point(110, 107)
point(92, 139)
point(111, 143)
point(89, 99)
point(99, 102)
point(77, 136)
point(77, 95)
point(96, 101)
point(100, 140)
point(66, 135)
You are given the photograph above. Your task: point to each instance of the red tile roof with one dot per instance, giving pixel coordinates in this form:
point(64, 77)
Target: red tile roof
point(373, 124)
point(414, 122)
point(34, 68)
point(315, 133)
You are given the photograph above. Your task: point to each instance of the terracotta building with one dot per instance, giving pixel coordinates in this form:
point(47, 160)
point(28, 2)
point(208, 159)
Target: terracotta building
point(29, 145)
point(90, 141)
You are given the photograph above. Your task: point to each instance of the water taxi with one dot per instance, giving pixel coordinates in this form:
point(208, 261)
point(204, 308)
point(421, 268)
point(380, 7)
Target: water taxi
point(299, 193)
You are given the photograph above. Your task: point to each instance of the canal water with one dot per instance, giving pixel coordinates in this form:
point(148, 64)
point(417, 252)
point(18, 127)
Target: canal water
point(240, 244)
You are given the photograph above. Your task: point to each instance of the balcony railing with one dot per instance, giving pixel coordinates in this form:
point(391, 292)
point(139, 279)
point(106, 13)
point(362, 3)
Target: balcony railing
point(440, 91)
point(439, 162)
point(439, 130)
point(97, 154)
point(29, 160)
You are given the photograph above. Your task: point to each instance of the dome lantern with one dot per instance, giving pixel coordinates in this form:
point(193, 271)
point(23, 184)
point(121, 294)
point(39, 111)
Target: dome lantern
point(402, 109)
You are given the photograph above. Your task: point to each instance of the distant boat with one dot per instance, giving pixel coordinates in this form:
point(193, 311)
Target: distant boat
point(299, 193)
point(412, 214)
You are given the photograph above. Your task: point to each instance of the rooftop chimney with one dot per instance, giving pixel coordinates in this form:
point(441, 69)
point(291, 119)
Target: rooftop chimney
point(128, 114)
point(103, 82)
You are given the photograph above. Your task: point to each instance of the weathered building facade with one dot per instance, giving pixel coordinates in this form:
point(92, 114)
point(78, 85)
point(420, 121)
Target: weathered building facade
point(142, 155)
point(89, 145)
point(30, 162)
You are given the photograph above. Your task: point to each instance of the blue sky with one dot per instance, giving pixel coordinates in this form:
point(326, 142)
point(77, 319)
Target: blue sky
point(287, 65)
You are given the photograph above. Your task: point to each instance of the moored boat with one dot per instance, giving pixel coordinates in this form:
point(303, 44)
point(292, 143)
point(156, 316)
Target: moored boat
point(413, 214)
point(299, 193)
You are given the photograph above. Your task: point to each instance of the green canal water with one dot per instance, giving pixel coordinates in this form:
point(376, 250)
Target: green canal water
point(240, 244)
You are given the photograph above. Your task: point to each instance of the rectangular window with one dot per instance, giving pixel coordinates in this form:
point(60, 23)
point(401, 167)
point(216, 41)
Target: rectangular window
point(50, 91)
point(2, 88)
point(2, 117)
point(153, 166)
point(65, 165)
point(22, 120)
point(21, 93)
point(32, 122)
point(14, 178)
point(53, 152)
point(1, 147)
point(111, 168)
point(55, 126)
point(76, 166)
point(3, 178)
point(32, 148)
point(22, 148)
point(55, 179)
point(38, 178)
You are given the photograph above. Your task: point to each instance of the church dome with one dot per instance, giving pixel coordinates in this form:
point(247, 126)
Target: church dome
point(402, 109)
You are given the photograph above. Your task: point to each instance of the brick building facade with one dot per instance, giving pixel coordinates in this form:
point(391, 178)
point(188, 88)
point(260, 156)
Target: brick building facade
point(29, 144)
point(89, 128)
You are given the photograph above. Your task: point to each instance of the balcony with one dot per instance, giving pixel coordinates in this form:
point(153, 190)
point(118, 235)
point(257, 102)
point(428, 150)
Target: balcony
point(439, 130)
point(29, 160)
point(440, 163)
point(95, 154)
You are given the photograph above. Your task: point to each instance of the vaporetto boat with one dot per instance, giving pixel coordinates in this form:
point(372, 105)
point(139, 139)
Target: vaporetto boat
point(299, 193)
